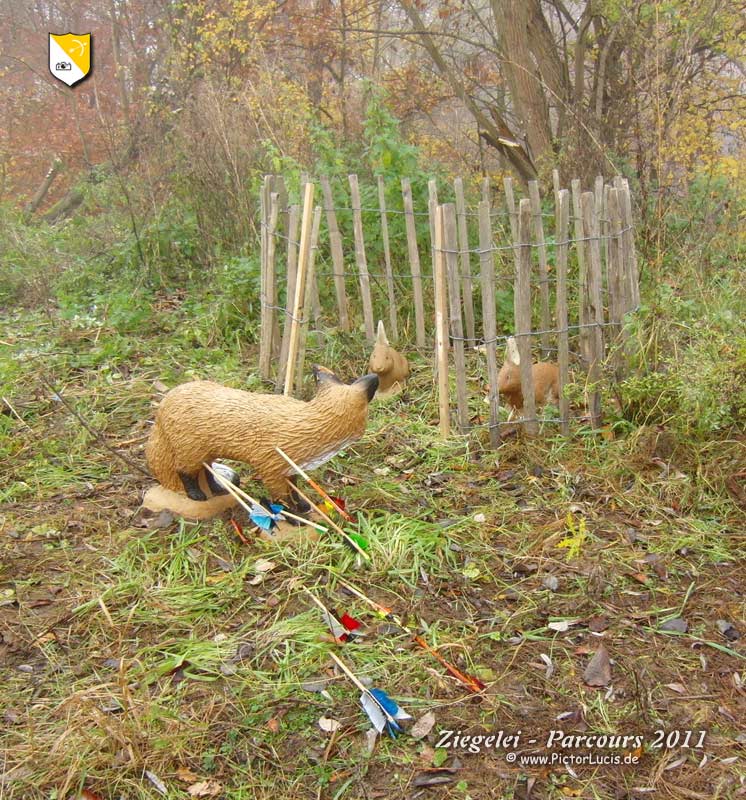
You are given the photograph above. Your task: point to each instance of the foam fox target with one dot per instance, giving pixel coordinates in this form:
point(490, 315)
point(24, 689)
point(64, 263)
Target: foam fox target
point(199, 422)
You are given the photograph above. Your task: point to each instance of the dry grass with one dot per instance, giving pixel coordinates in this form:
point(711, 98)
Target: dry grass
point(132, 656)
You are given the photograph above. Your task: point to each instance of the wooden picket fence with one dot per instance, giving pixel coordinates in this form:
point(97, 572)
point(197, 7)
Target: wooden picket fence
point(605, 286)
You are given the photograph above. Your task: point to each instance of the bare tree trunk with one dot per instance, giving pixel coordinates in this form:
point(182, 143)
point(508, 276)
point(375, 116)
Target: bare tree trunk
point(44, 187)
point(494, 131)
point(119, 67)
point(513, 19)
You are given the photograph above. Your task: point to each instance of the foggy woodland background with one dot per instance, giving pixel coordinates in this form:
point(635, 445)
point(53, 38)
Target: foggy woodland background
point(200, 98)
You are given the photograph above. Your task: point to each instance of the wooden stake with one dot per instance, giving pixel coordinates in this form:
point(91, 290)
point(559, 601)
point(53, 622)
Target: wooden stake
point(441, 325)
point(522, 298)
point(267, 291)
point(617, 285)
point(432, 204)
point(300, 287)
point(290, 280)
point(362, 263)
point(634, 272)
point(580, 250)
point(563, 355)
point(454, 308)
point(414, 262)
point(596, 311)
point(486, 193)
point(387, 259)
point(309, 296)
point(463, 247)
point(487, 274)
point(556, 186)
point(538, 226)
point(338, 262)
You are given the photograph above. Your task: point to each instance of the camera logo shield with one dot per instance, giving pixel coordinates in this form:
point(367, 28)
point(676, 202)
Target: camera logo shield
point(70, 56)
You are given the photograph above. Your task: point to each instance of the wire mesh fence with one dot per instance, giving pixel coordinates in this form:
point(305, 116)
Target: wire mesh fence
point(532, 279)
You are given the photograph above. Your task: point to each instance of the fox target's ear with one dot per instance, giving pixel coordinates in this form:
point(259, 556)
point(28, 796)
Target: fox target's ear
point(324, 375)
point(369, 384)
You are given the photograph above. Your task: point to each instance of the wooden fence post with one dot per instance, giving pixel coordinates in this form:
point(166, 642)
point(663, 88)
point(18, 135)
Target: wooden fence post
point(300, 288)
point(308, 301)
point(387, 258)
point(489, 325)
point(522, 303)
point(556, 187)
point(414, 262)
point(463, 246)
point(563, 354)
point(362, 262)
point(535, 200)
point(290, 278)
point(267, 291)
point(264, 209)
point(629, 224)
point(441, 325)
point(338, 261)
point(596, 315)
point(618, 299)
point(605, 232)
point(513, 219)
point(580, 249)
point(486, 198)
point(432, 205)
point(454, 308)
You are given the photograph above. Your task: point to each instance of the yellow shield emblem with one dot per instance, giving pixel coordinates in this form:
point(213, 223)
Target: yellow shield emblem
point(70, 56)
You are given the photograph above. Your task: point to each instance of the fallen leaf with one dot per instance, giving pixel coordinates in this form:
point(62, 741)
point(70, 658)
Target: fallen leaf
point(423, 726)
point(157, 782)
point(205, 789)
point(677, 625)
point(186, 775)
point(598, 624)
point(163, 519)
point(427, 753)
point(264, 565)
point(548, 664)
point(728, 630)
point(656, 562)
point(434, 777)
point(274, 725)
point(679, 688)
point(550, 582)
point(598, 671)
point(329, 725)
point(371, 736)
point(561, 625)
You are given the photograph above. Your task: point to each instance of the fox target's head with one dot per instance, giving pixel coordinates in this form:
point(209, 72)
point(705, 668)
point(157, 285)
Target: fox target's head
point(355, 395)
